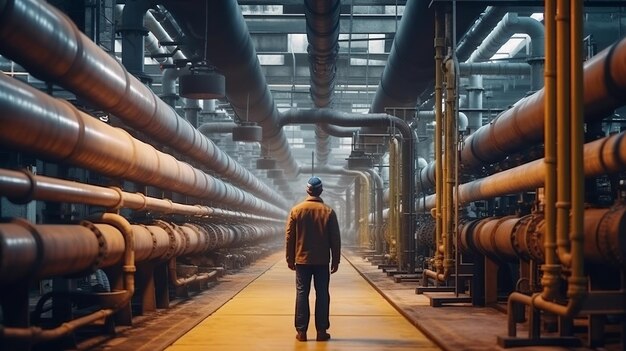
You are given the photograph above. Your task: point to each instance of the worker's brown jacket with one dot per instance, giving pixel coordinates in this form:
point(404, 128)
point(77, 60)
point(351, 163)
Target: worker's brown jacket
point(312, 233)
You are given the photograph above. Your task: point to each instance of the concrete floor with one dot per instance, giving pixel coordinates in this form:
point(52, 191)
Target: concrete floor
point(260, 317)
point(252, 309)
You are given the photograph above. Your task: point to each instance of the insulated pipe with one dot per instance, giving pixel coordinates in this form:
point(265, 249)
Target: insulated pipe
point(522, 125)
point(479, 30)
point(409, 66)
point(66, 56)
point(408, 170)
point(507, 27)
point(58, 130)
point(161, 34)
point(230, 49)
point(494, 68)
point(322, 27)
point(217, 127)
point(602, 156)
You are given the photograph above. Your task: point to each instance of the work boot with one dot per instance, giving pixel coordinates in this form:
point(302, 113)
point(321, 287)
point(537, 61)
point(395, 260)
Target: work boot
point(301, 336)
point(322, 336)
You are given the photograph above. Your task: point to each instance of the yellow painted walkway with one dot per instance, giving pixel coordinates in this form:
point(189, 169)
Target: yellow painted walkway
point(260, 317)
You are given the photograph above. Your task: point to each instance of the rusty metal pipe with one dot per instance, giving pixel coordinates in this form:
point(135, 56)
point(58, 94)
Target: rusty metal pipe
point(55, 129)
point(602, 156)
point(21, 186)
point(36, 334)
point(522, 125)
point(64, 55)
point(439, 118)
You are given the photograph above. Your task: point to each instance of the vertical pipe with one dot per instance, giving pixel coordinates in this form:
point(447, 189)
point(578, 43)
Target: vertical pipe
point(563, 203)
point(577, 283)
point(393, 197)
point(439, 47)
point(550, 278)
point(450, 157)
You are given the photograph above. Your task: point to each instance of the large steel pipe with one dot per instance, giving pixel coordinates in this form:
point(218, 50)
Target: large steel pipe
point(42, 251)
point(522, 125)
point(322, 27)
point(57, 130)
point(49, 250)
point(49, 46)
point(511, 238)
point(220, 29)
point(410, 66)
point(603, 156)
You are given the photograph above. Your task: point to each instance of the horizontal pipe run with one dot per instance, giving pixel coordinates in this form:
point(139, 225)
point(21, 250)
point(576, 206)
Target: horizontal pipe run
point(50, 46)
point(57, 130)
point(495, 68)
point(220, 28)
point(521, 126)
point(22, 186)
point(603, 156)
point(42, 251)
point(511, 238)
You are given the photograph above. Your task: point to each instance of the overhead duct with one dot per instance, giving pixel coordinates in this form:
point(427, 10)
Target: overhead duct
point(222, 30)
point(410, 65)
point(48, 44)
point(479, 30)
point(322, 28)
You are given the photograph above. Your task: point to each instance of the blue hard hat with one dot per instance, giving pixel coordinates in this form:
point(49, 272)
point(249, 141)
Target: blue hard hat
point(314, 184)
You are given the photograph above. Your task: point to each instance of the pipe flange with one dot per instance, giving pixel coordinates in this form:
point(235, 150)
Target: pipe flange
point(534, 241)
point(120, 201)
point(185, 236)
point(30, 194)
point(102, 244)
point(515, 238)
point(171, 250)
point(38, 241)
point(604, 235)
point(154, 239)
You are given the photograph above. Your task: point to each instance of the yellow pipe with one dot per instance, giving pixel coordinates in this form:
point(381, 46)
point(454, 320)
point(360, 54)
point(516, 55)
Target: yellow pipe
point(577, 282)
point(551, 268)
point(394, 218)
point(563, 130)
point(439, 52)
point(450, 155)
point(566, 94)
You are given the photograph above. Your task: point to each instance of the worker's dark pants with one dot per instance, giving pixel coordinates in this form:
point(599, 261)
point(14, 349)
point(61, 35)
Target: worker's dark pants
point(321, 279)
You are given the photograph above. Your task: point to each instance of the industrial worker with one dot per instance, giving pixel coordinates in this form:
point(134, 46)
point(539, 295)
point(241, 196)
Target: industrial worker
point(312, 242)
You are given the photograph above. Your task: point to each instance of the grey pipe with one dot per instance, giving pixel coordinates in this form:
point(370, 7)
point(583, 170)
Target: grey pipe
point(479, 30)
point(161, 34)
point(217, 127)
point(230, 49)
point(49, 45)
point(322, 27)
point(509, 25)
point(475, 100)
point(494, 68)
point(379, 120)
point(410, 66)
point(133, 34)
